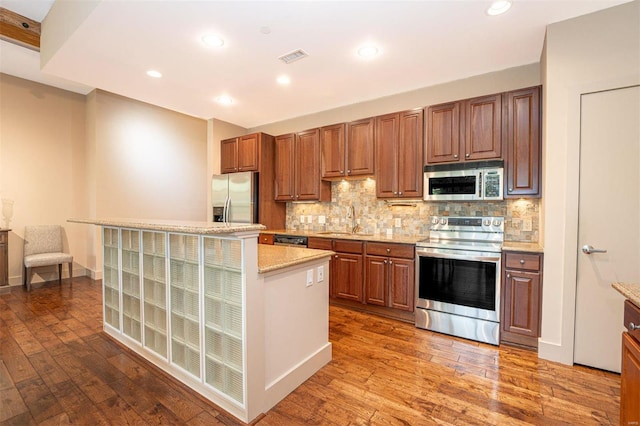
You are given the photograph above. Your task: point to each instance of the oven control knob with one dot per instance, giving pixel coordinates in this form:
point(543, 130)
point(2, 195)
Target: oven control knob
point(497, 222)
point(435, 221)
point(487, 222)
point(443, 221)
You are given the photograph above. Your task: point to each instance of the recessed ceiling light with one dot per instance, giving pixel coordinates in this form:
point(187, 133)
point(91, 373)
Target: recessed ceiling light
point(283, 80)
point(154, 73)
point(224, 100)
point(213, 40)
point(499, 7)
point(368, 51)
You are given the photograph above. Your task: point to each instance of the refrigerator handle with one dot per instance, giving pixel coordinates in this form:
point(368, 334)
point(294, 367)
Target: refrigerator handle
point(225, 215)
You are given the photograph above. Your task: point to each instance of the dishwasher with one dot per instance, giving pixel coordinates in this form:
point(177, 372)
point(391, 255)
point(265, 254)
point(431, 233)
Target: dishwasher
point(289, 240)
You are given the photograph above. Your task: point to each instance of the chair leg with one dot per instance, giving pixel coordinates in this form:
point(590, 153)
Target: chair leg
point(59, 273)
point(28, 275)
point(71, 271)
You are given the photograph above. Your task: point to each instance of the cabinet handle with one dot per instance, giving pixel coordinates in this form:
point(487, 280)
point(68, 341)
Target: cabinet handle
point(455, 155)
point(336, 256)
point(632, 326)
point(466, 155)
point(400, 193)
point(522, 261)
point(395, 192)
point(510, 189)
point(388, 250)
point(341, 172)
point(292, 196)
point(349, 171)
point(385, 261)
point(508, 275)
point(391, 262)
point(297, 196)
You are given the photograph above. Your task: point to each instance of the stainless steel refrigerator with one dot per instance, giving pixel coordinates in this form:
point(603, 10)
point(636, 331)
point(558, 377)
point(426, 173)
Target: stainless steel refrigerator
point(235, 197)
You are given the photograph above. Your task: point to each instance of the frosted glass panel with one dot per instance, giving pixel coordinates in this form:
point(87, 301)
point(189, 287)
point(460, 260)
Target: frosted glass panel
point(185, 306)
point(110, 276)
point(224, 316)
point(131, 314)
point(155, 291)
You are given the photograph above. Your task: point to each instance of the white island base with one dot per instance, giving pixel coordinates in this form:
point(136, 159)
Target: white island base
point(197, 300)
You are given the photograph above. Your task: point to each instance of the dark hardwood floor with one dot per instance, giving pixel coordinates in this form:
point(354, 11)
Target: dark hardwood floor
point(57, 367)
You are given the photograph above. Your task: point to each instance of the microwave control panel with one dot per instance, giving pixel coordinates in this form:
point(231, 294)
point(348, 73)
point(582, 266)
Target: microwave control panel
point(492, 185)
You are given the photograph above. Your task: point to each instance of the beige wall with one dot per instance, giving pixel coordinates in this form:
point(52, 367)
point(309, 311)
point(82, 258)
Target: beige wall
point(495, 82)
point(64, 155)
point(42, 165)
point(594, 52)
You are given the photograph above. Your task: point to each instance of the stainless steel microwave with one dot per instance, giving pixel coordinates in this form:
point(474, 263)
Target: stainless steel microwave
point(464, 182)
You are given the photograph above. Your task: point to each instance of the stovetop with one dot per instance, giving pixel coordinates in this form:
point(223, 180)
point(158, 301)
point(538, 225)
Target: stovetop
point(465, 233)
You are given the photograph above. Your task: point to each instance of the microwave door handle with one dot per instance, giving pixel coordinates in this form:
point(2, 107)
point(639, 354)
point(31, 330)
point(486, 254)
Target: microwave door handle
point(459, 257)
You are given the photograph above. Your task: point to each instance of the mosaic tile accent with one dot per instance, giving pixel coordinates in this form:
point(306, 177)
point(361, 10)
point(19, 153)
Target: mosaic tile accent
point(374, 216)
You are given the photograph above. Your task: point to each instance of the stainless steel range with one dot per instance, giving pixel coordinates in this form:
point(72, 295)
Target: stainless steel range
point(458, 277)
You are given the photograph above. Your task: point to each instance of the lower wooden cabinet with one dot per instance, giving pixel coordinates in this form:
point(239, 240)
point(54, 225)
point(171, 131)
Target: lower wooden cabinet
point(4, 257)
point(265, 239)
point(630, 375)
point(521, 298)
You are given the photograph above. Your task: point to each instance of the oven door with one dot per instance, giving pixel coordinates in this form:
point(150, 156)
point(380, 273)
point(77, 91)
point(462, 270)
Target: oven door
point(465, 283)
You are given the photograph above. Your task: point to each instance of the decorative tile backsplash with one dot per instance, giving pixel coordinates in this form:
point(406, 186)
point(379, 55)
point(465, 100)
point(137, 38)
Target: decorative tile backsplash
point(374, 216)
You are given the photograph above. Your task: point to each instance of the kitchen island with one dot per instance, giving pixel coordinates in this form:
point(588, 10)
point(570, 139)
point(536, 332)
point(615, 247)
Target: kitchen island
point(241, 325)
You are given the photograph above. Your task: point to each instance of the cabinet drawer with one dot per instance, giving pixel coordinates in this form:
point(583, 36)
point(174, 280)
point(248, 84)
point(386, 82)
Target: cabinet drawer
point(526, 261)
point(4, 237)
point(392, 250)
point(632, 315)
point(319, 243)
point(346, 246)
point(265, 239)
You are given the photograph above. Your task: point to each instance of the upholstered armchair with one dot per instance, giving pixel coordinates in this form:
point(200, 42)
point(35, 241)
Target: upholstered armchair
point(43, 247)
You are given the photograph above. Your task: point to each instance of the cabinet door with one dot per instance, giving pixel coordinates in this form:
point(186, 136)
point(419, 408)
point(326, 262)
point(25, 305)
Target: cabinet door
point(521, 307)
point(307, 165)
point(483, 128)
point(443, 133)
point(410, 154)
point(229, 155)
point(347, 281)
point(376, 287)
point(285, 165)
point(523, 143)
point(4, 261)
point(359, 155)
point(386, 147)
point(332, 146)
point(630, 381)
point(401, 283)
point(248, 150)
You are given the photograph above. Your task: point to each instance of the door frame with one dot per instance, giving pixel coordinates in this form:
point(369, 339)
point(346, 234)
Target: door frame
point(559, 345)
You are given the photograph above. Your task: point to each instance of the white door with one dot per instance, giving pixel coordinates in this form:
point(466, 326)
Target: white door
point(608, 219)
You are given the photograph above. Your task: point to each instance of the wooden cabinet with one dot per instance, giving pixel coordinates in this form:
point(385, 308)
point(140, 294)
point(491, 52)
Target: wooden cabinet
point(297, 167)
point(399, 155)
point(347, 149)
point(346, 278)
point(265, 239)
point(467, 130)
point(523, 142)
point(630, 375)
point(4, 257)
point(241, 154)
point(521, 298)
point(390, 275)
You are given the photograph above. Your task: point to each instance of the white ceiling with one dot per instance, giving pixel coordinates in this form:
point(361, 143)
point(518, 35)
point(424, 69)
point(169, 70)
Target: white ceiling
point(422, 43)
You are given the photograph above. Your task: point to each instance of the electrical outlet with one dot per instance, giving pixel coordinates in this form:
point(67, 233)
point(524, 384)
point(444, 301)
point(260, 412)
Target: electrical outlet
point(321, 219)
point(527, 225)
point(309, 277)
point(302, 218)
point(309, 219)
point(398, 222)
point(320, 274)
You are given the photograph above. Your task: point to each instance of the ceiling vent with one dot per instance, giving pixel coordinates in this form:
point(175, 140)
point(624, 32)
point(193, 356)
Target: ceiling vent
point(290, 57)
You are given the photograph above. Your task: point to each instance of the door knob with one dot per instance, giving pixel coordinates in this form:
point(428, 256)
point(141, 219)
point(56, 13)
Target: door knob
point(587, 249)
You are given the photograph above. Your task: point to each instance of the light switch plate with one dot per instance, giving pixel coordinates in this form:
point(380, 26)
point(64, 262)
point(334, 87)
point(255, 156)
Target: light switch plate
point(320, 274)
point(321, 219)
point(309, 219)
point(302, 218)
point(398, 222)
point(309, 277)
point(527, 225)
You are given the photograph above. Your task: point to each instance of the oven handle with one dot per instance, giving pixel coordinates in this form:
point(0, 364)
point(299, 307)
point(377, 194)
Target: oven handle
point(459, 257)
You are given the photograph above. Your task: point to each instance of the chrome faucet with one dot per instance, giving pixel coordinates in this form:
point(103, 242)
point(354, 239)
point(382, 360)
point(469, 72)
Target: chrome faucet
point(351, 214)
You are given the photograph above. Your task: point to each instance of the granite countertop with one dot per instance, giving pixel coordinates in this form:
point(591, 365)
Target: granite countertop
point(630, 291)
point(521, 246)
point(271, 258)
point(184, 226)
point(403, 239)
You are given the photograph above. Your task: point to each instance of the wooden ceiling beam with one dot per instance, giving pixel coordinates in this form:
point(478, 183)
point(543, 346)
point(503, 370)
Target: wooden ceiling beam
point(20, 30)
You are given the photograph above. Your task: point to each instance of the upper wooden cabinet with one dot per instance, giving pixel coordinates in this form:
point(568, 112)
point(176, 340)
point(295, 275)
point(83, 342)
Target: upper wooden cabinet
point(399, 155)
point(347, 149)
point(466, 130)
point(241, 154)
point(522, 129)
point(298, 168)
